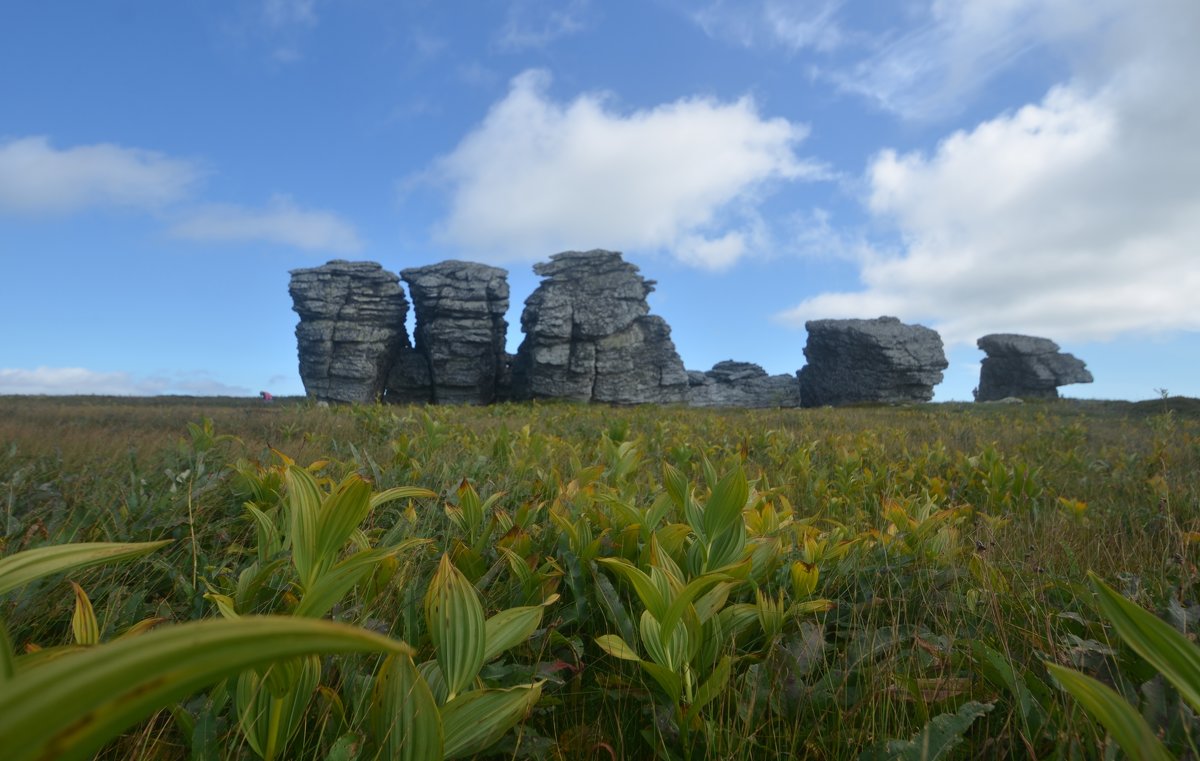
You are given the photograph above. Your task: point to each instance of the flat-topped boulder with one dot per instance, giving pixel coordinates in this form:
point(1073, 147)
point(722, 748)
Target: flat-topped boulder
point(741, 384)
point(460, 334)
point(880, 360)
point(1025, 367)
point(351, 328)
point(589, 335)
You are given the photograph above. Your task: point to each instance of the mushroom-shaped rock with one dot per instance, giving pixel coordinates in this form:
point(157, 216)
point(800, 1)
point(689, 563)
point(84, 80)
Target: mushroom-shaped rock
point(1025, 367)
point(880, 360)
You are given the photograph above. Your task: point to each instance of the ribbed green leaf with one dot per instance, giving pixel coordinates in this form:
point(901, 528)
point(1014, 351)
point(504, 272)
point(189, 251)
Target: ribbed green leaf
point(404, 717)
point(340, 514)
point(84, 626)
point(1164, 648)
point(684, 598)
point(617, 647)
point(67, 708)
point(724, 507)
point(269, 721)
point(670, 682)
point(646, 589)
point(269, 542)
point(476, 720)
point(669, 652)
point(19, 569)
point(1121, 720)
point(334, 583)
point(400, 492)
point(8, 665)
point(509, 628)
point(712, 687)
point(304, 509)
point(456, 626)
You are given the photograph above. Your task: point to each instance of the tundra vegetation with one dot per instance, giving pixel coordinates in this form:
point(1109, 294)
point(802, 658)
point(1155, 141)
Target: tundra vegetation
point(215, 579)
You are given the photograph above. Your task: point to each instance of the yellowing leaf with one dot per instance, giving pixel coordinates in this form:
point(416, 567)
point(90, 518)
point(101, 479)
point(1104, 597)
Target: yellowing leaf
point(456, 626)
point(84, 626)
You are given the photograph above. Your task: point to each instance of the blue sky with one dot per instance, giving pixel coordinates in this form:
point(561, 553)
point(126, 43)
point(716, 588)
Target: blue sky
point(976, 166)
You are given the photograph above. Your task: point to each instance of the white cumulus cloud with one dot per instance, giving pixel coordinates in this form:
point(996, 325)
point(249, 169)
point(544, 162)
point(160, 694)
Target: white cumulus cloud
point(281, 222)
point(1076, 217)
point(57, 381)
point(538, 176)
point(38, 178)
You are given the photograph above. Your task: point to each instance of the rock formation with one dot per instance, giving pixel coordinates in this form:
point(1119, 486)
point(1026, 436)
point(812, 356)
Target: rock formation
point(460, 331)
point(351, 328)
point(589, 335)
point(1026, 367)
point(879, 360)
point(741, 384)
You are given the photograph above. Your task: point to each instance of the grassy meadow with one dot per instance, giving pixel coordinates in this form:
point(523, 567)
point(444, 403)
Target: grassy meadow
point(586, 582)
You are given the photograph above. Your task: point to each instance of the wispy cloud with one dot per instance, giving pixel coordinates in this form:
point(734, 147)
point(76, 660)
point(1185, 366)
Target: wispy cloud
point(538, 176)
point(1076, 217)
point(789, 24)
point(281, 222)
point(57, 381)
point(537, 23)
point(38, 178)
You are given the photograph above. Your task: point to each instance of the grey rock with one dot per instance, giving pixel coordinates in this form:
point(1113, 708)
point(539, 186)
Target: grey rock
point(1025, 367)
point(741, 384)
point(589, 335)
point(351, 328)
point(460, 334)
point(881, 360)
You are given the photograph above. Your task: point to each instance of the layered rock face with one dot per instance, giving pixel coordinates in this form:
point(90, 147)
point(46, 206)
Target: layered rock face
point(1025, 367)
point(351, 328)
point(741, 384)
point(460, 331)
point(589, 335)
point(880, 360)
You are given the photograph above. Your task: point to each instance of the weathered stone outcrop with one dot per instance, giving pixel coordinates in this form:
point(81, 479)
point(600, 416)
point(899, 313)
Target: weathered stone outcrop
point(351, 328)
point(1026, 367)
point(589, 335)
point(741, 384)
point(460, 331)
point(880, 360)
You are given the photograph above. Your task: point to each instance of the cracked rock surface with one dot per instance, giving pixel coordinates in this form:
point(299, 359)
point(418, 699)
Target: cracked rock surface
point(589, 336)
point(460, 334)
point(741, 384)
point(351, 328)
point(1025, 367)
point(881, 360)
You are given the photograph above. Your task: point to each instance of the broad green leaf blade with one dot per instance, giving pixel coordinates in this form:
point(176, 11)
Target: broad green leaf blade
point(683, 600)
point(667, 679)
point(456, 626)
point(332, 585)
point(7, 659)
point(1164, 648)
point(68, 708)
point(1121, 720)
point(400, 492)
point(269, 720)
point(935, 740)
point(725, 505)
point(304, 509)
point(341, 513)
point(476, 720)
point(646, 589)
point(614, 609)
point(269, 542)
point(712, 687)
point(617, 647)
point(28, 565)
point(404, 717)
point(509, 628)
point(84, 626)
